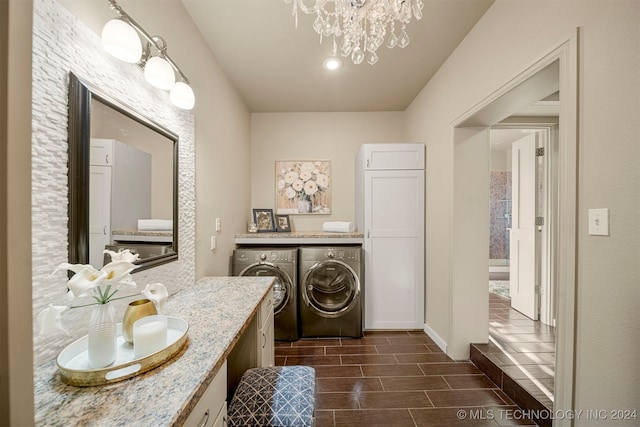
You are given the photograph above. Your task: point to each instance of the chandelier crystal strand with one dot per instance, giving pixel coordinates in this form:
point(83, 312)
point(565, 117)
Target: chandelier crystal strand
point(362, 24)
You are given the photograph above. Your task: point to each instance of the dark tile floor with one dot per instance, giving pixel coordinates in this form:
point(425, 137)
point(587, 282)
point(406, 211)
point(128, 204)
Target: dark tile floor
point(520, 356)
point(397, 378)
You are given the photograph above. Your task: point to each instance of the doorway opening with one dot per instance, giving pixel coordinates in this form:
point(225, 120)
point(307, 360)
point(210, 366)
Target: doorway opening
point(555, 71)
point(523, 215)
point(523, 212)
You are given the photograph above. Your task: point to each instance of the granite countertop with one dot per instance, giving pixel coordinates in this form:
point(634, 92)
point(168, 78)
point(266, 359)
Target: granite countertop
point(218, 310)
point(150, 236)
point(134, 232)
point(300, 237)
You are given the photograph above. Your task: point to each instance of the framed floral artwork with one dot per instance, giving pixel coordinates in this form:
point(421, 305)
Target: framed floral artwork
point(303, 187)
point(263, 218)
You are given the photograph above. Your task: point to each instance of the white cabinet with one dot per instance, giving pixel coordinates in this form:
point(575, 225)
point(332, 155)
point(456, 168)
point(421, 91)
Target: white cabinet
point(390, 213)
point(211, 409)
point(99, 212)
point(391, 156)
point(221, 421)
point(266, 355)
point(120, 192)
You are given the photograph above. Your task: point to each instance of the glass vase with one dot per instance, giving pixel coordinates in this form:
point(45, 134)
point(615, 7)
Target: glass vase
point(102, 336)
point(304, 206)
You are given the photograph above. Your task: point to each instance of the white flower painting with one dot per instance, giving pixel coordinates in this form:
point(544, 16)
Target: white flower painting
point(303, 187)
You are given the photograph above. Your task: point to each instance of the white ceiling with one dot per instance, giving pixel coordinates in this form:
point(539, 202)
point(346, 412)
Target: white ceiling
point(278, 68)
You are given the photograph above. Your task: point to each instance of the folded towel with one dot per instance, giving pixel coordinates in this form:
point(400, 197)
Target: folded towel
point(338, 227)
point(155, 224)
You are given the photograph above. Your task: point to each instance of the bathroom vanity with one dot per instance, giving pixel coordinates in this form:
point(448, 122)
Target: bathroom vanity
point(230, 320)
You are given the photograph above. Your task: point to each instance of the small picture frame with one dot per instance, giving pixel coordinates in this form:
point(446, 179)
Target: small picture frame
point(263, 218)
point(283, 225)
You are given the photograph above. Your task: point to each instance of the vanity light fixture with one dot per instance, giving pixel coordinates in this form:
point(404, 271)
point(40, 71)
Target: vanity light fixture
point(121, 37)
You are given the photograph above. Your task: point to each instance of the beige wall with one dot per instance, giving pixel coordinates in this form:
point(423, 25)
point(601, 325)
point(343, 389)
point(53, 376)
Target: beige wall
point(222, 123)
point(228, 139)
point(16, 361)
point(315, 136)
point(608, 274)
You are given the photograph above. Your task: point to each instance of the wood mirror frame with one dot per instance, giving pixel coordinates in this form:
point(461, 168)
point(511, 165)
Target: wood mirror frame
point(81, 95)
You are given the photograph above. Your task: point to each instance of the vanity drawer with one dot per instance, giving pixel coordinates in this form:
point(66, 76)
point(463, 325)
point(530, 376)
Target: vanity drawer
point(209, 409)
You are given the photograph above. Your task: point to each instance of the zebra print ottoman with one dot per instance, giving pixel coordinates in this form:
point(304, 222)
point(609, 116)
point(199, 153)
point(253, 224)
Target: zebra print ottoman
point(282, 396)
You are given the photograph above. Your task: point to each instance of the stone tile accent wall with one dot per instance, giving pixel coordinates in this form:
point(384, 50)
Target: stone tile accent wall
point(62, 43)
point(499, 214)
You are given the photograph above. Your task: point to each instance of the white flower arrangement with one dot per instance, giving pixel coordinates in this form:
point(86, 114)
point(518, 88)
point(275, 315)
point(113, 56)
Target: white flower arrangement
point(102, 285)
point(307, 181)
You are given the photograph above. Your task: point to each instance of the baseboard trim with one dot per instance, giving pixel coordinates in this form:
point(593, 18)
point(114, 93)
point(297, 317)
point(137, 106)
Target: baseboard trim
point(439, 341)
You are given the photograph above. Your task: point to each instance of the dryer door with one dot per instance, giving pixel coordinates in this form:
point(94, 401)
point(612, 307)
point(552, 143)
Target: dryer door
point(282, 288)
point(330, 288)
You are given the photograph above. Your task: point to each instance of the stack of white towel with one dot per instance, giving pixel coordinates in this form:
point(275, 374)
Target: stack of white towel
point(338, 227)
point(155, 224)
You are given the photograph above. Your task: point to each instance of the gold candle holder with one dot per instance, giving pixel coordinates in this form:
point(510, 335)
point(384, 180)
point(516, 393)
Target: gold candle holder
point(136, 310)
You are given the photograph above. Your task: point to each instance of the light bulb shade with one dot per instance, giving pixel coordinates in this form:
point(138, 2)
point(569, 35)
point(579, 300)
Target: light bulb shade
point(182, 96)
point(159, 73)
point(121, 41)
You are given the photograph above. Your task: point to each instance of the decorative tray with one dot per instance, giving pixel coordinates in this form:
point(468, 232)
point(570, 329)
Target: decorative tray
point(73, 362)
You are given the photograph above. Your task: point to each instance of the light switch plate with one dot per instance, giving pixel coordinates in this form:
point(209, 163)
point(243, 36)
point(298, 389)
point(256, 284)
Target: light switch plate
point(599, 222)
point(218, 224)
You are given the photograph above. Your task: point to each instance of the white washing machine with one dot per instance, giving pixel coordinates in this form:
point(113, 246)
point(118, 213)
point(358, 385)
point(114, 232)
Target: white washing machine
point(281, 263)
point(331, 293)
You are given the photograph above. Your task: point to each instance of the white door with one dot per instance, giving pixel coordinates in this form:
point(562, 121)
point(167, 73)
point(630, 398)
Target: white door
point(99, 213)
point(394, 249)
point(523, 271)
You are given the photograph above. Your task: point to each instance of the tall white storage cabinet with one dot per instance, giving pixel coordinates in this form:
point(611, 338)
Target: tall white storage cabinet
point(390, 212)
point(120, 192)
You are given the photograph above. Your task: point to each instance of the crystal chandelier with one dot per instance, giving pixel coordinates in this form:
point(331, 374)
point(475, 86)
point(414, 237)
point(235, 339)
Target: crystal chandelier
point(362, 24)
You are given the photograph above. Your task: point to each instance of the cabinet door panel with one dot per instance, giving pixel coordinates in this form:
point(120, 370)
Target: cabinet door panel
point(393, 277)
point(265, 337)
point(394, 207)
point(212, 402)
point(99, 213)
point(394, 246)
point(393, 156)
point(221, 420)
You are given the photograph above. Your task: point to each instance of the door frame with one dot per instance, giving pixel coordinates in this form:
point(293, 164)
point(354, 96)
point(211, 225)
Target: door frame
point(494, 108)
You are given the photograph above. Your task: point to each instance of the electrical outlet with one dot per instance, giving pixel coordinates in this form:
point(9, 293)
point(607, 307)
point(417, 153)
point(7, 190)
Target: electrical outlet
point(218, 224)
point(213, 243)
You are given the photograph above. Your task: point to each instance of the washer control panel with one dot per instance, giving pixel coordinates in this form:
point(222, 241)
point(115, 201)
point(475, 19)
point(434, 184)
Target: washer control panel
point(265, 255)
point(343, 254)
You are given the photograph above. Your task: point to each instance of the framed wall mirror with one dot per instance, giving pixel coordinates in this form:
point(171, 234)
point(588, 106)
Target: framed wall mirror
point(123, 181)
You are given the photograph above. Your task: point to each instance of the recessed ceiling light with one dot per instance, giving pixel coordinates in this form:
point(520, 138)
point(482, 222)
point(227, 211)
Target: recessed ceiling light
point(332, 63)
